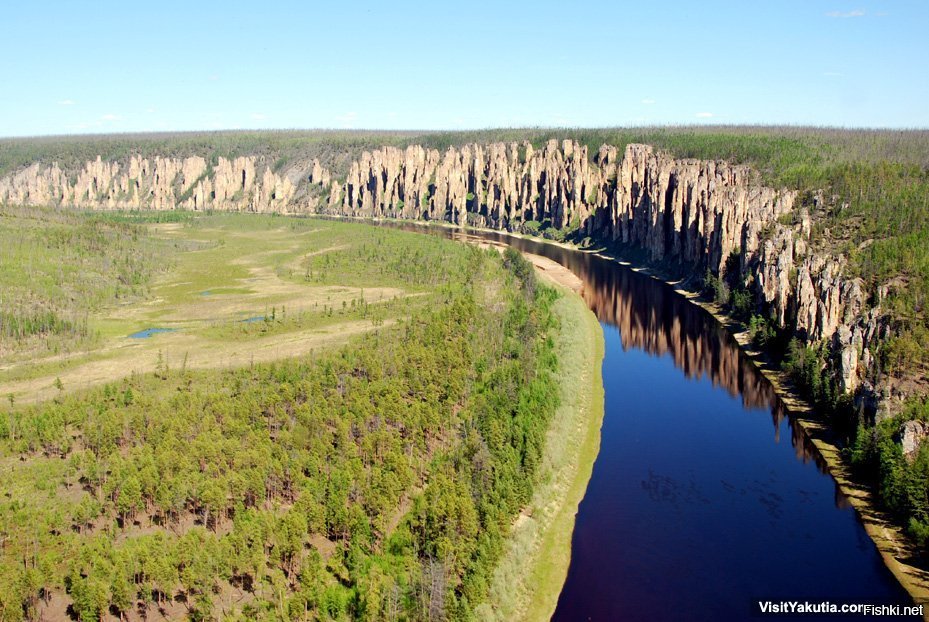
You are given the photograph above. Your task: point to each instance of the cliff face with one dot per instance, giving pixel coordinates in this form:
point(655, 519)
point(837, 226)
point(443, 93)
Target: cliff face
point(700, 215)
point(689, 211)
point(703, 214)
point(159, 184)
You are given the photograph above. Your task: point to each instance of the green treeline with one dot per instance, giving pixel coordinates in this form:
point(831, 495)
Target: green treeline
point(374, 482)
point(902, 481)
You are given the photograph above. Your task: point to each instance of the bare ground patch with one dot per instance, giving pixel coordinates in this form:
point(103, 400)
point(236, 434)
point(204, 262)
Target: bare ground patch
point(176, 348)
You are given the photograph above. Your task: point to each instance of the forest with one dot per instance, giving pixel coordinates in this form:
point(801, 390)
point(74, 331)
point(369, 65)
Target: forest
point(376, 481)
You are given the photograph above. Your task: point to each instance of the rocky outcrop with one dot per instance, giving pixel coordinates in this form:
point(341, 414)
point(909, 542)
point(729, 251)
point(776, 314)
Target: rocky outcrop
point(912, 436)
point(160, 183)
point(696, 215)
point(688, 211)
point(498, 185)
point(691, 211)
point(699, 215)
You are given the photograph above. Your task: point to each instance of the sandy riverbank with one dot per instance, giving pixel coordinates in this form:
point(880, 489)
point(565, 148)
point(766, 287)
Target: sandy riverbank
point(529, 577)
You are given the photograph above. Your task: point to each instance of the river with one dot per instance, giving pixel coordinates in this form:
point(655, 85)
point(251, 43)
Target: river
point(705, 497)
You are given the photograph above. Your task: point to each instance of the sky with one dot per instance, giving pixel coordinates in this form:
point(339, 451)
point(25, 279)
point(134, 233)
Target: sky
point(101, 67)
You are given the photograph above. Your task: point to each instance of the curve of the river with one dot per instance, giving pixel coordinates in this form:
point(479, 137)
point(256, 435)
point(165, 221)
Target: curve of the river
point(705, 497)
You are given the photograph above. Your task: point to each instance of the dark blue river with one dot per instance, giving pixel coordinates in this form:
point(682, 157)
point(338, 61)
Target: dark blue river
point(705, 497)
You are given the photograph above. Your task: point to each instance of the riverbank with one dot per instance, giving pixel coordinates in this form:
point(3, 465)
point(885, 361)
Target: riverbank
point(896, 548)
point(529, 576)
point(891, 540)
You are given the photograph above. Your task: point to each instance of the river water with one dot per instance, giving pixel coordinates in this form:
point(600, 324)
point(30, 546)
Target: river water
point(705, 497)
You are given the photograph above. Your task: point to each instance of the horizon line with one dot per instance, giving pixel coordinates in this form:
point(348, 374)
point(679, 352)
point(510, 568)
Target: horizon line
point(426, 131)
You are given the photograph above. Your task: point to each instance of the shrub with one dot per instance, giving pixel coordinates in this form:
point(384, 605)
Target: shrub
point(715, 288)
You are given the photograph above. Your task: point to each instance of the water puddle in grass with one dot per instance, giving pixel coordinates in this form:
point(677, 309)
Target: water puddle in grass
point(148, 332)
point(257, 318)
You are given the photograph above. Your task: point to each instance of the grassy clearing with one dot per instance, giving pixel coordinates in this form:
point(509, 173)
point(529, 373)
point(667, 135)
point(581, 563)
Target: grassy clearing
point(310, 284)
point(530, 575)
point(59, 267)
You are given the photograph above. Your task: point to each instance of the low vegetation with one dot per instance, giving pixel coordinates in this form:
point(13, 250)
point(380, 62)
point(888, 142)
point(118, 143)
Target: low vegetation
point(58, 267)
point(233, 289)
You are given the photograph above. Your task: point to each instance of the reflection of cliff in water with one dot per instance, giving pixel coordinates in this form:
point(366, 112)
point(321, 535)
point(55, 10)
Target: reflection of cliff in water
point(654, 318)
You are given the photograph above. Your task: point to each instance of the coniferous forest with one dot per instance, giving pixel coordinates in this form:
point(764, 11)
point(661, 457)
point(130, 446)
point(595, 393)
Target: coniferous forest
point(375, 481)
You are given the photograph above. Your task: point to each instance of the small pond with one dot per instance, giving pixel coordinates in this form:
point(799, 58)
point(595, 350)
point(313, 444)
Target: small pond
point(148, 332)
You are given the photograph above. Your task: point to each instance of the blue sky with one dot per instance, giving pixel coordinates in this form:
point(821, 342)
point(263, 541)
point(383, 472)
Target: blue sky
point(70, 67)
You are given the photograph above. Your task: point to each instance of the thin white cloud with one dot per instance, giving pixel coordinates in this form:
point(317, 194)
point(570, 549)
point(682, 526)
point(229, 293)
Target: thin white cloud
point(846, 14)
point(648, 101)
point(704, 115)
point(348, 119)
point(258, 116)
point(111, 117)
point(66, 102)
point(149, 110)
point(213, 78)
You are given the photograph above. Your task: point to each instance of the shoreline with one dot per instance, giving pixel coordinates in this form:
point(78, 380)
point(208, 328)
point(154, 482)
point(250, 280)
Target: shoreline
point(890, 539)
point(528, 579)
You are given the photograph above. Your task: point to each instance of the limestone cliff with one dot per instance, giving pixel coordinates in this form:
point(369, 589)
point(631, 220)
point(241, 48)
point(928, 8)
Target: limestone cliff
point(161, 183)
point(694, 214)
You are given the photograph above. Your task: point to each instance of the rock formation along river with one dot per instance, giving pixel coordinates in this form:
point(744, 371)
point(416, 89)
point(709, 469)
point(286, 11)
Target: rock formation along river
point(705, 497)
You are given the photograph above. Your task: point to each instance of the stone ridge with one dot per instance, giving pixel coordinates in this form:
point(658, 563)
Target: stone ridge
point(697, 214)
point(691, 211)
point(694, 213)
point(158, 184)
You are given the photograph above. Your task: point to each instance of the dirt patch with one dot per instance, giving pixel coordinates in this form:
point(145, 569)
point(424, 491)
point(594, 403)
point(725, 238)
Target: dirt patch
point(321, 543)
point(166, 227)
point(555, 272)
point(297, 264)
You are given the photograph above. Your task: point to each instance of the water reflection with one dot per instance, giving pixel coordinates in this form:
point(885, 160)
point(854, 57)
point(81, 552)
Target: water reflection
point(654, 318)
point(692, 512)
